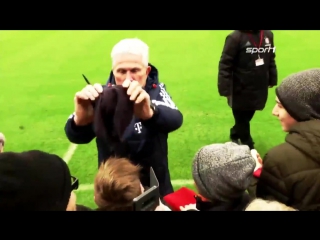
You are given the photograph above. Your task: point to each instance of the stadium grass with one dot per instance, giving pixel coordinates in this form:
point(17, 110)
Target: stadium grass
point(41, 71)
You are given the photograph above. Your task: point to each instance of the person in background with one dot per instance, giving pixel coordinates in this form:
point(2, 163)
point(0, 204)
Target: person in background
point(155, 114)
point(222, 173)
point(247, 68)
point(35, 181)
point(116, 184)
point(291, 171)
point(263, 205)
point(2, 142)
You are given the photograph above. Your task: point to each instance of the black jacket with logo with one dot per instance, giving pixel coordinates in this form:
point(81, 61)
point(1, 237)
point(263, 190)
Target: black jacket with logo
point(245, 84)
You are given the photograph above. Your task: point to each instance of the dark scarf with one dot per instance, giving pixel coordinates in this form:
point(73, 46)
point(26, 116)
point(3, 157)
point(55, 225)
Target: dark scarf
point(113, 114)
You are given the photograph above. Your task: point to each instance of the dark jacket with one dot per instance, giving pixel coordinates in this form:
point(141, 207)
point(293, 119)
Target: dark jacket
point(245, 84)
point(237, 205)
point(291, 171)
point(147, 143)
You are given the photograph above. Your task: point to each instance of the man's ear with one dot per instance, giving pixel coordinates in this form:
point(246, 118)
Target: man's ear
point(148, 70)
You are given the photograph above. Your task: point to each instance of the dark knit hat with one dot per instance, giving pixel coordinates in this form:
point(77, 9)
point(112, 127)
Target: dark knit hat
point(113, 114)
point(33, 181)
point(299, 94)
point(222, 172)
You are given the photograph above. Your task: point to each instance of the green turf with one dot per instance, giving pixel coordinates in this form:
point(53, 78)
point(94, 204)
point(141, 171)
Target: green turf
point(41, 70)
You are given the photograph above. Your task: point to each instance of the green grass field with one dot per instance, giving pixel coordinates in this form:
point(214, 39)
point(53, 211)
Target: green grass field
point(41, 71)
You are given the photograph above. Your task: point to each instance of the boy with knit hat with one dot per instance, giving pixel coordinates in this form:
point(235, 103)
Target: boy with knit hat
point(35, 181)
point(222, 173)
point(291, 170)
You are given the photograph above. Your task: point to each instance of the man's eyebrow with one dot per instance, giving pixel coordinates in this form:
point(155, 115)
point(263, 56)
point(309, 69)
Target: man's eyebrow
point(128, 69)
point(121, 69)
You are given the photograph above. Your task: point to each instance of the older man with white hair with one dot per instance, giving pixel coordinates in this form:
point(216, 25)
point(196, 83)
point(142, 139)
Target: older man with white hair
point(156, 115)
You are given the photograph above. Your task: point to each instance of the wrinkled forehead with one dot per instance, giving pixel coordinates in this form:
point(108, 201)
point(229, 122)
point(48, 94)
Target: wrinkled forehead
point(127, 61)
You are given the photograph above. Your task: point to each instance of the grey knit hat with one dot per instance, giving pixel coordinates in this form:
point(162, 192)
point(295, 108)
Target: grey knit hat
point(223, 171)
point(299, 94)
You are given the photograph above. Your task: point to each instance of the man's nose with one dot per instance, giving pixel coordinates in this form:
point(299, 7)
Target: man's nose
point(129, 75)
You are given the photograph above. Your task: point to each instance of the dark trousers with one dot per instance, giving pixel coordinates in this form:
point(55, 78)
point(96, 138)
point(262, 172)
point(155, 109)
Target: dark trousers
point(241, 128)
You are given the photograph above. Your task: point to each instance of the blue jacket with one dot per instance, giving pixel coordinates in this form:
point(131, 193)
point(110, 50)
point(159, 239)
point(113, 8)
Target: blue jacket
point(146, 141)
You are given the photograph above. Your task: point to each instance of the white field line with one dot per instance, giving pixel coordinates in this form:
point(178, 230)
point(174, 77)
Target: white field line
point(86, 187)
point(69, 153)
point(175, 183)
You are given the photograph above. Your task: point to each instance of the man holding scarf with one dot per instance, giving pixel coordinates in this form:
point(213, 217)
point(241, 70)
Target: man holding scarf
point(155, 114)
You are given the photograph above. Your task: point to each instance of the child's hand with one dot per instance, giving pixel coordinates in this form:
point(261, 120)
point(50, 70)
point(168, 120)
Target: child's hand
point(259, 163)
point(2, 141)
point(256, 157)
point(259, 158)
point(189, 207)
point(162, 207)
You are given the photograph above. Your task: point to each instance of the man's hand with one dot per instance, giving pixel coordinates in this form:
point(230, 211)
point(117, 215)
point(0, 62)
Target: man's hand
point(83, 104)
point(141, 99)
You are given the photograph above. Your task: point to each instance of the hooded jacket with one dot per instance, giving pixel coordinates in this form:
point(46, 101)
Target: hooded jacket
point(291, 171)
point(146, 141)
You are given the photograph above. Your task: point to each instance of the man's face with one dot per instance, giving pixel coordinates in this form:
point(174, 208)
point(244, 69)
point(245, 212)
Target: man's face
point(130, 66)
point(284, 117)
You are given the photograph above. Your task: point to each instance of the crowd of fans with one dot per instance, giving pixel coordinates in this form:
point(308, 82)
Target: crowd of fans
point(227, 177)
